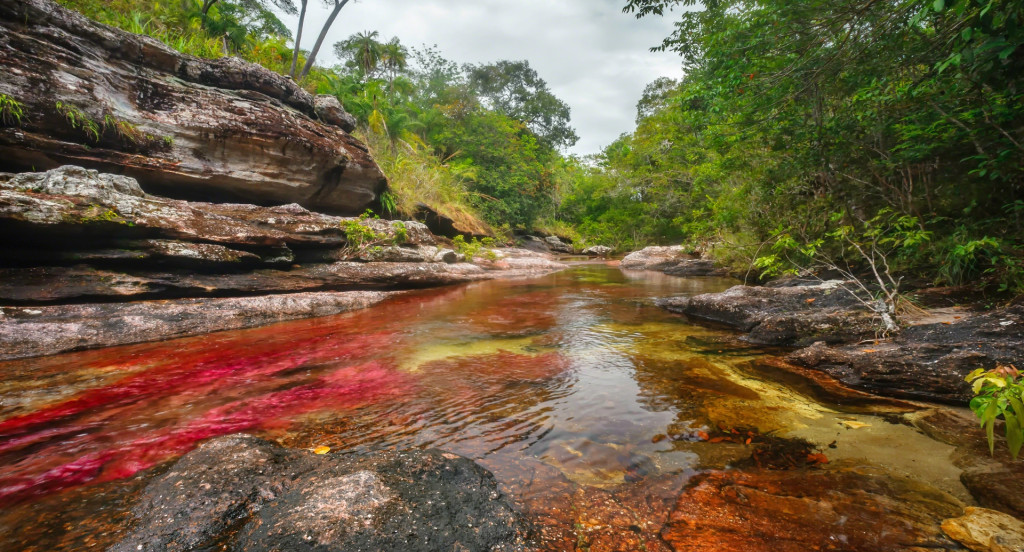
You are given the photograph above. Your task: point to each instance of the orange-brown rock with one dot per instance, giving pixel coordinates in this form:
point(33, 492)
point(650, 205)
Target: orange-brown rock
point(808, 510)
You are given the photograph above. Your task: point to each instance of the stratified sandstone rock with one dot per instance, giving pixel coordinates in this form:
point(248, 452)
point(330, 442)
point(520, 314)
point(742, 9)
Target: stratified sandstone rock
point(251, 495)
point(927, 361)
point(78, 236)
point(798, 315)
point(186, 127)
point(984, 530)
point(330, 111)
point(46, 330)
point(71, 208)
point(800, 510)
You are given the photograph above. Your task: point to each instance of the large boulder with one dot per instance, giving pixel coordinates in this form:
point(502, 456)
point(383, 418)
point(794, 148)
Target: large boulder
point(598, 250)
point(243, 493)
point(655, 257)
point(224, 130)
point(799, 315)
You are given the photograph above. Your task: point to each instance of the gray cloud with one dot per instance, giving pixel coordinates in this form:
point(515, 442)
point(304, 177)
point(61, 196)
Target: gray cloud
point(593, 56)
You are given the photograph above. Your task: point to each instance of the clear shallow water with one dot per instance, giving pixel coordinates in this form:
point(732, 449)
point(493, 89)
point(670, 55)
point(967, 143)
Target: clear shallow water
point(591, 406)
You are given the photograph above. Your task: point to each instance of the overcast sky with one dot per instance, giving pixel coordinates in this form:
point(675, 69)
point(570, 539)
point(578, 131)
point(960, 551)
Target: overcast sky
point(593, 56)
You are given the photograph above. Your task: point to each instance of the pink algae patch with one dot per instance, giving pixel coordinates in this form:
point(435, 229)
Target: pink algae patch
point(153, 416)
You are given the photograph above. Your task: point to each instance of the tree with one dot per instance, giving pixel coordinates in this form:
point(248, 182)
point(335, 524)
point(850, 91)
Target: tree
point(395, 58)
point(260, 6)
point(514, 89)
point(363, 51)
point(298, 38)
point(337, 5)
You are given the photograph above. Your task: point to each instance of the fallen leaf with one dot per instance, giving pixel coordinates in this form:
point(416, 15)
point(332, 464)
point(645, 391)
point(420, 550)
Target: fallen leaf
point(947, 323)
point(321, 450)
point(716, 439)
point(870, 351)
point(749, 439)
point(855, 425)
point(817, 458)
point(811, 300)
point(659, 438)
point(703, 436)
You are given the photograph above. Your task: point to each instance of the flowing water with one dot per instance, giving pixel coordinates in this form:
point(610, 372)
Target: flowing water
point(592, 407)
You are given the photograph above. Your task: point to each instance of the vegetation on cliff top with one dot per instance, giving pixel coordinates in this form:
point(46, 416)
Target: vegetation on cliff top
point(800, 131)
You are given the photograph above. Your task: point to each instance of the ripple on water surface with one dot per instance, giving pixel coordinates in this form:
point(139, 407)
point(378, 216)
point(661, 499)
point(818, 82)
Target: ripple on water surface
point(592, 407)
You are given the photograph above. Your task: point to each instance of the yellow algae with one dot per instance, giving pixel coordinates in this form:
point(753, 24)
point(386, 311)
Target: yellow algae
point(434, 352)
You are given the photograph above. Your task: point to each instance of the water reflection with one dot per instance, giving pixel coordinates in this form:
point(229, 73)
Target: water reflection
point(591, 406)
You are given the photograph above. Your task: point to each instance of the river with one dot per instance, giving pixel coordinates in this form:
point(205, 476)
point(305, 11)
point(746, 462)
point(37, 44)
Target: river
point(592, 407)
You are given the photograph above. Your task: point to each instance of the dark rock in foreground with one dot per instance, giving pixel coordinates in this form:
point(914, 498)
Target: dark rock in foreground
point(799, 510)
point(251, 495)
point(187, 127)
point(927, 361)
point(798, 315)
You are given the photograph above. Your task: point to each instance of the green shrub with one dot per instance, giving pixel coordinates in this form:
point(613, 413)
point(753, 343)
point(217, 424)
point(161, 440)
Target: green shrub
point(12, 112)
point(999, 393)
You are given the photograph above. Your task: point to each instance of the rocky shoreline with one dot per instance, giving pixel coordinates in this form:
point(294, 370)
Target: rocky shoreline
point(98, 262)
point(835, 332)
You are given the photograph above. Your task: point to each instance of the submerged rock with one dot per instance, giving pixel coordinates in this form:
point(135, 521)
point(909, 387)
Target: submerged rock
point(186, 127)
point(798, 315)
point(245, 493)
point(850, 510)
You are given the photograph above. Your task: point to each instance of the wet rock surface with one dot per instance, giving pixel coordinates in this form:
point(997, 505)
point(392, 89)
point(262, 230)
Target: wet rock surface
point(186, 127)
point(45, 330)
point(800, 510)
point(244, 493)
point(84, 243)
point(798, 315)
point(927, 361)
point(994, 480)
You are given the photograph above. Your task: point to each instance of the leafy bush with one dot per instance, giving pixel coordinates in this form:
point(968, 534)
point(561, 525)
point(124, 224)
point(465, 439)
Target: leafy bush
point(999, 394)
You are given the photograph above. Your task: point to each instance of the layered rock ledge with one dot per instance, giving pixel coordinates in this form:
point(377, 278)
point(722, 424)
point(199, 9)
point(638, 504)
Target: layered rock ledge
point(191, 128)
point(91, 260)
point(243, 493)
point(842, 337)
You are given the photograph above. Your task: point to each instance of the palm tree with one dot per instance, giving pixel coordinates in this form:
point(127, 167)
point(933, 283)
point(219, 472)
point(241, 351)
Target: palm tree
point(364, 50)
point(395, 58)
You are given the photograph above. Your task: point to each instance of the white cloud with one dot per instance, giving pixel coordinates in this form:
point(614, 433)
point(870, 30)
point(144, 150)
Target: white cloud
point(593, 56)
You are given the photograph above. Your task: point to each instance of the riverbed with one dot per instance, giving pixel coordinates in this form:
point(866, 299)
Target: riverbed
point(593, 408)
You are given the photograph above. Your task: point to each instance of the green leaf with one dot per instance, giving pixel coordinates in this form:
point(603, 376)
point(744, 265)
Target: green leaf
point(1014, 436)
point(990, 424)
point(939, 5)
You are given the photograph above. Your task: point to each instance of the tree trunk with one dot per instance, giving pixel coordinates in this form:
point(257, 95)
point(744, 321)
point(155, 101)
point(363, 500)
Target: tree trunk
point(298, 38)
point(320, 40)
point(207, 4)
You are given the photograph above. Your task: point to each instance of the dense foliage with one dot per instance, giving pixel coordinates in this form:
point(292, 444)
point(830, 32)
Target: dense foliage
point(797, 118)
